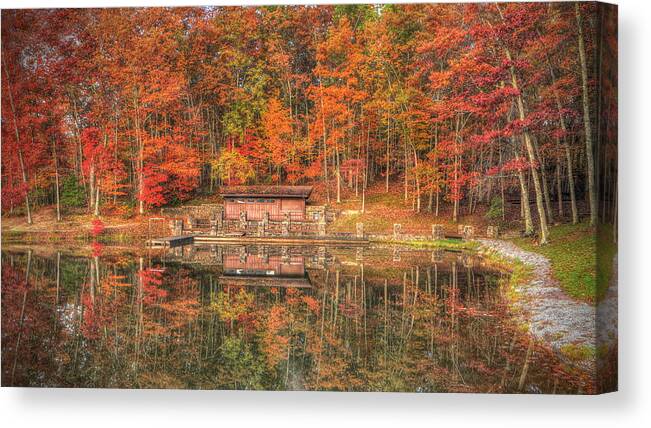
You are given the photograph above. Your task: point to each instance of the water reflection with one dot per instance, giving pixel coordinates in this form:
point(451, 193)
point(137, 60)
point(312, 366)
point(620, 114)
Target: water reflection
point(275, 318)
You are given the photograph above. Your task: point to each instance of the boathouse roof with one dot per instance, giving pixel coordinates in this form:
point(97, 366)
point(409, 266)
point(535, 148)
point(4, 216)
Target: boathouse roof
point(267, 191)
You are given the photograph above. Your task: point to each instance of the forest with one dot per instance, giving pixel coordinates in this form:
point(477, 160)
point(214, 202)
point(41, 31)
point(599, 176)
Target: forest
point(456, 107)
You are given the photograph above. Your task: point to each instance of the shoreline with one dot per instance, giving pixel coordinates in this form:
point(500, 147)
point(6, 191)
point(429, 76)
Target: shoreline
point(566, 325)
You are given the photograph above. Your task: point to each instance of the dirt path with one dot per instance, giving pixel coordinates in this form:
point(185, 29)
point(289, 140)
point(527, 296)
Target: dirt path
point(553, 316)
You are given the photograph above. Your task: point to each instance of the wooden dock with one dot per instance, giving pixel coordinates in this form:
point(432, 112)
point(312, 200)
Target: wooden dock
point(176, 241)
point(287, 240)
point(171, 241)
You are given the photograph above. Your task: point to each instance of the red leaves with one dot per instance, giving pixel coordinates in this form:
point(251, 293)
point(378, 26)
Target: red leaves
point(97, 249)
point(312, 304)
point(153, 190)
point(513, 165)
point(97, 227)
point(151, 281)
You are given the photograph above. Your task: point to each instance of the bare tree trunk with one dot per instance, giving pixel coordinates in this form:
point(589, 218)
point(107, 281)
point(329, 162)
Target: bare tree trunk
point(141, 158)
point(531, 155)
point(24, 175)
point(417, 182)
point(79, 155)
point(365, 180)
point(543, 175)
point(56, 178)
point(28, 211)
point(388, 150)
point(566, 147)
point(570, 176)
point(406, 161)
point(91, 186)
point(559, 190)
point(325, 147)
point(586, 120)
point(96, 212)
point(544, 232)
point(455, 209)
point(338, 173)
point(524, 202)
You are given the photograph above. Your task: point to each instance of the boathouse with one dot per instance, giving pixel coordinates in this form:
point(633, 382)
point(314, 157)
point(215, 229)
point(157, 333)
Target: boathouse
point(279, 202)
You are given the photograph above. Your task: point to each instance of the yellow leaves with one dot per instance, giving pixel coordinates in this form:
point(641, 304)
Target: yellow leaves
point(230, 306)
point(277, 128)
point(232, 165)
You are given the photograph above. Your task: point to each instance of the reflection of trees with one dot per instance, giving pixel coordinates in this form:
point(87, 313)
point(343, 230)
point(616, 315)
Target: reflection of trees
point(124, 322)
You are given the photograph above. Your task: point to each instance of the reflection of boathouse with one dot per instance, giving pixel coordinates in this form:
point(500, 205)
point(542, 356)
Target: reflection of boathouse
point(278, 202)
point(264, 270)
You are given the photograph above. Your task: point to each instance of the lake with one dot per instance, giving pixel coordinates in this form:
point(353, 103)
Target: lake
point(376, 318)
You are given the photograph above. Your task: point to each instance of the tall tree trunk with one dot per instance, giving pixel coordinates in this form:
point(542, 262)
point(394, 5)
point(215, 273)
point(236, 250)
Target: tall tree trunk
point(338, 173)
point(365, 179)
point(96, 211)
point(566, 146)
point(28, 211)
point(592, 197)
point(325, 146)
point(91, 186)
point(417, 181)
point(56, 178)
point(524, 202)
point(559, 189)
point(388, 151)
point(570, 176)
point(543, 175)
point(456, 190)
point(531, 155)
point(141, 158)
point(405, 168)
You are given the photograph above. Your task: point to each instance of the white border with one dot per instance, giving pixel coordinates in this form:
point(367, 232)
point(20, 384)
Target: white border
point(629, 407)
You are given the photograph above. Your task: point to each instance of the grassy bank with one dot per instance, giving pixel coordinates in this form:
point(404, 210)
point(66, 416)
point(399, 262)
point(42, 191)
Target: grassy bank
point(444, 244)
point(572, 252)
point(519, 273)
point(77, 227)
point(383, 210)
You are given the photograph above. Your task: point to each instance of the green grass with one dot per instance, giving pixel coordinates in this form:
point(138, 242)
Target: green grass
point(373, 224)
point(448, 244)
point(519, 273)
point(572, 251)
point(578, 352)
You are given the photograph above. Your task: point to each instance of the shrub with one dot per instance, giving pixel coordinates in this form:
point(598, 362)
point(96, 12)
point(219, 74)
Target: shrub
point(495, 210)
point(72, 193)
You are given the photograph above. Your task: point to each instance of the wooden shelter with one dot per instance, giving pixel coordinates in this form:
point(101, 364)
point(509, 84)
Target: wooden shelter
point(279, 202)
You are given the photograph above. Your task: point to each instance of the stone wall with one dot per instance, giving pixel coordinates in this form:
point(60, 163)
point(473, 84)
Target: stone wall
point(316, 218)
point(318, 213)
point(201, 212)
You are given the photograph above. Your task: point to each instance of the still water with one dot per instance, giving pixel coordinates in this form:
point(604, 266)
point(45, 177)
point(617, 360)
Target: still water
point(272, 318)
